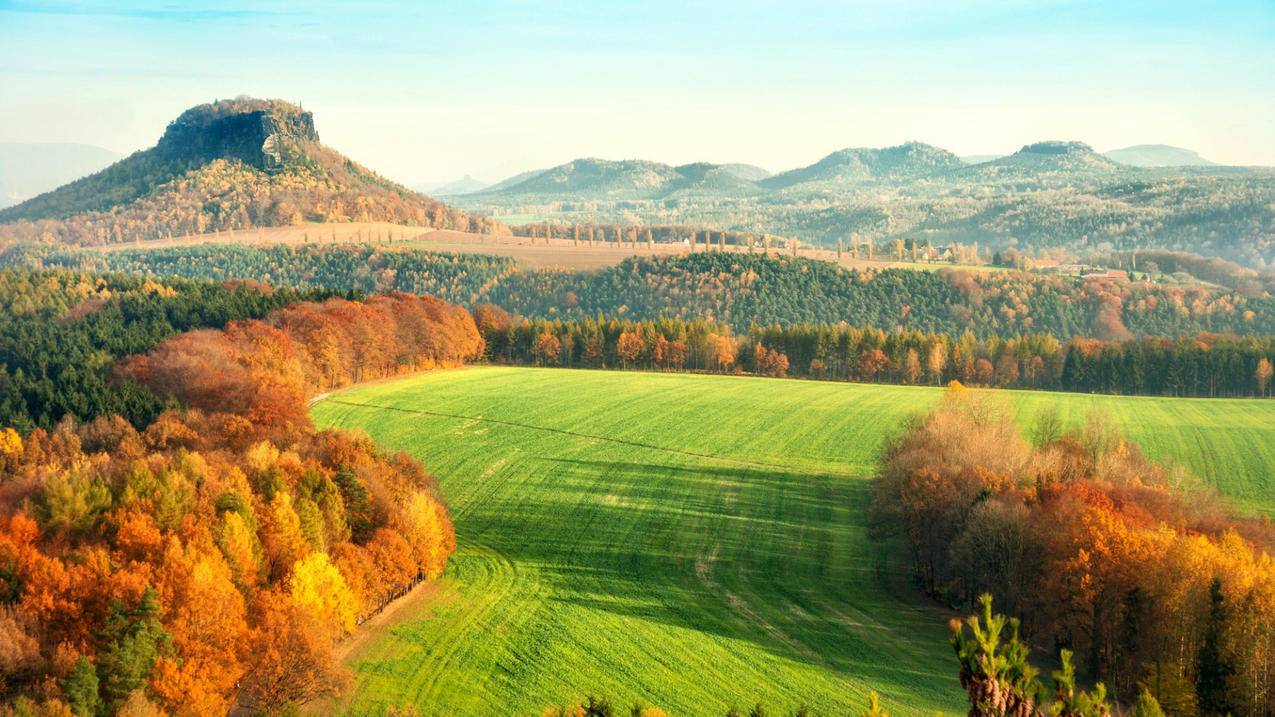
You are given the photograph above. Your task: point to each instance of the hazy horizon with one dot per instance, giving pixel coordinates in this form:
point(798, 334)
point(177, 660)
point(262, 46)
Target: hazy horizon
point(427, 95)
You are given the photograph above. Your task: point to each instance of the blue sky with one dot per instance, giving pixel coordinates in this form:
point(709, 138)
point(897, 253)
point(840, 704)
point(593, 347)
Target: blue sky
point(428, 91)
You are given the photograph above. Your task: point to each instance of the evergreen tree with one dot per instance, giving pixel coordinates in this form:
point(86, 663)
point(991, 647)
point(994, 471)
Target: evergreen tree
point(134, 640)
point(80, 689)
point(1214, 667)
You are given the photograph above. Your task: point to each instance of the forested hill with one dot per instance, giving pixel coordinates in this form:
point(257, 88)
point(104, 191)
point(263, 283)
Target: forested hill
point(1047, 196)
point(742, 290)
point(226, 165)
point(746, 290)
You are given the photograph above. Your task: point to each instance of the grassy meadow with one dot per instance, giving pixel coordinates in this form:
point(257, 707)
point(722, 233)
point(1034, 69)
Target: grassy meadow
point(690, 541)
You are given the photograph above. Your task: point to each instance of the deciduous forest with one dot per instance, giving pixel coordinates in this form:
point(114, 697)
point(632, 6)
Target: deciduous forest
point(212, 556)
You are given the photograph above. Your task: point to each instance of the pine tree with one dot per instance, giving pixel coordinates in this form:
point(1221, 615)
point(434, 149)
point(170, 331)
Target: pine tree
point(134, 640)
point(1214, 668)
point(80, 689)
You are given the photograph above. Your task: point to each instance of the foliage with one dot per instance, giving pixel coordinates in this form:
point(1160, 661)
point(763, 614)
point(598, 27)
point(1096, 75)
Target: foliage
point(1205, 365)
point(210, 557)
point(363, 269)
point(743, 291)
point(61, 332)
point(1093, 544)
point(746, 290)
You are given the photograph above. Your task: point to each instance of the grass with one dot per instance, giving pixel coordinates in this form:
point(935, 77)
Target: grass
point(689, 541)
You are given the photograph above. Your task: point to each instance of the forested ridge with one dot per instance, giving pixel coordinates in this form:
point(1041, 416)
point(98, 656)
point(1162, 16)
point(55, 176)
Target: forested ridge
point(462, 278)
point(747, 290)
point(213, 556)
point(742, 290)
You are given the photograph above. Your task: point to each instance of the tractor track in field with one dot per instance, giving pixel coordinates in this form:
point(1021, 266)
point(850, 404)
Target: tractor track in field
point(576, 434)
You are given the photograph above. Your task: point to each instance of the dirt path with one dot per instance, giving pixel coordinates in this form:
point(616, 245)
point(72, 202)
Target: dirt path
point(383, 620)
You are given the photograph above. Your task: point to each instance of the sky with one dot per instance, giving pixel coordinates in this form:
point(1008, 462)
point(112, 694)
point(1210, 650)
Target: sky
point(426, 92)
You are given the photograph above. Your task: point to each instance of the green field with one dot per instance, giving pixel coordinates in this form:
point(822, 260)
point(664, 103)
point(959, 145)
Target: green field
point(690, 541)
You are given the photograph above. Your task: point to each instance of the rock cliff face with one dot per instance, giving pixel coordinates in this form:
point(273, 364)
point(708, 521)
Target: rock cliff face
point(262, 136)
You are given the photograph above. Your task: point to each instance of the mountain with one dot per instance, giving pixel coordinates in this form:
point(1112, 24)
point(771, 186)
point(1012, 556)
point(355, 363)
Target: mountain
point(1043, 159)
point(749, 172)
point(599, 177)
point(30, 169)
point(1157, 155)
point(911, 160)
point(226, 165)
point(632, 179)
point(465, 185)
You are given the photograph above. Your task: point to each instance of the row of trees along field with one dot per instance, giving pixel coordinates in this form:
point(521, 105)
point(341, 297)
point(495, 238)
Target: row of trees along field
point(1205, 365)
point(1151, 584)
point(213, 557)
point(738, 289)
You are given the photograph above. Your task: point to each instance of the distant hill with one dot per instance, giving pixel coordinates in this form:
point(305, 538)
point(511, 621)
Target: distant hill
point(1046, 158)
point(631, 179)
point(749, 172)
point(511, 181)
point(225, 165)
point(911, 160)
point(979, 158)
point(1157, 155)
point(30, 169)
point(465, 185)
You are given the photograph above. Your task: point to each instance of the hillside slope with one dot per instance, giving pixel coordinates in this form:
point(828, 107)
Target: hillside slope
point(906, 161)
point(221, 166)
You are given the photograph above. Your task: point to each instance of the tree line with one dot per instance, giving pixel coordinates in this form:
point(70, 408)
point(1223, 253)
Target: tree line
point(1205, 365)
point(1102, 552)
point(214, 556)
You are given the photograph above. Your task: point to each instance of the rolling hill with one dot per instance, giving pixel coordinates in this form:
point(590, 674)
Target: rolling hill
point(28, 169)
point(691, 541)
point(1053, 195)
point(631, 179)
point(1042, 160)
point(906, 161)
point(226, 165)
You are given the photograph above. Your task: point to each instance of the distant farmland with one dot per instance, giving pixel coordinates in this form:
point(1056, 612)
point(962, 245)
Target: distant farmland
point(689, 541)
point(539, 253)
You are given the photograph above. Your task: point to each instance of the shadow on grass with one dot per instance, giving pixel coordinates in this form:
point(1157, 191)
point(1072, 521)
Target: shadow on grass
point(776, 558)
